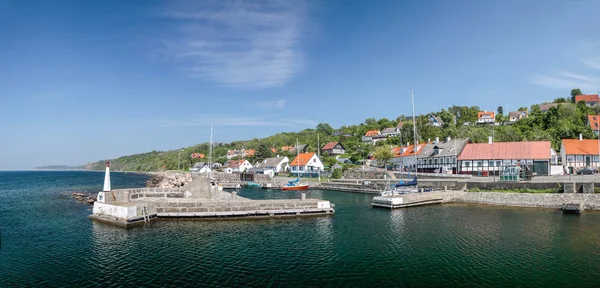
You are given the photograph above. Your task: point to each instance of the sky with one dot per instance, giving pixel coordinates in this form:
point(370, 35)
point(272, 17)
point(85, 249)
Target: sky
point(83, 81)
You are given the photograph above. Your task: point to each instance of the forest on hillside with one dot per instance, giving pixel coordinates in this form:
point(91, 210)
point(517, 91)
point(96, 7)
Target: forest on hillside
point(564, 121)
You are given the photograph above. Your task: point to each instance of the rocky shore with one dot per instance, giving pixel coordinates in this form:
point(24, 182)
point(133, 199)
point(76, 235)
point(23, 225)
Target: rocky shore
point(169, 180)
point(84, 198)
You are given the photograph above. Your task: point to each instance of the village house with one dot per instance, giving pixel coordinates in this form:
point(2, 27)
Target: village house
point(217, 165)
point(593, 121)
point(333, 148)
point(591, 100)
point(234, 153)
point(546, 106)
point(295, 149)
point(200, 167)
point(579, 153)
point(389, 132)
point(273, 165)
point(306, 163)
point(405, 157)
point(437, 155)
point(237, 166)
point(435, 121)
point(515, 116)
point(486, 117)
point(489, 158)
point(368, 137)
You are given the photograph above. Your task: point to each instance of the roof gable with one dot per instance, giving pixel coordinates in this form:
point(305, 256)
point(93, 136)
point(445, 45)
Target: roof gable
point(372, 133)
point(587, 98)
point(331, 145)
point(507, 150)
point(580, 147)
point(302, 159)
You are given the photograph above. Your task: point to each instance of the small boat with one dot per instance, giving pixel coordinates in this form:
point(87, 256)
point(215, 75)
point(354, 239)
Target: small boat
point(402, 188)
point(253, 184)
point(294, 185)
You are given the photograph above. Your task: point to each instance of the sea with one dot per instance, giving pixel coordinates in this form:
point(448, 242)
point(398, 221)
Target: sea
point(47, 240)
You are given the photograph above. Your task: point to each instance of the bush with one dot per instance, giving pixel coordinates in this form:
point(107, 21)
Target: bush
point(337, 173)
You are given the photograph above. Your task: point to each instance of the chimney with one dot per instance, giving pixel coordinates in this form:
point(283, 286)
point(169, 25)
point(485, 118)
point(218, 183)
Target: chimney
point(437, 139)
point(490, 140)
point(448, 139)
point(580, 137)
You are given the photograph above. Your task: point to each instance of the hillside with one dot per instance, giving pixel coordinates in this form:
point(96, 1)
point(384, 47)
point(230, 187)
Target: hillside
point(566, 120)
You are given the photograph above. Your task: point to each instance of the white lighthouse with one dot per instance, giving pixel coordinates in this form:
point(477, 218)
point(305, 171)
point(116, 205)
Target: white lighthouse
point(107, 178)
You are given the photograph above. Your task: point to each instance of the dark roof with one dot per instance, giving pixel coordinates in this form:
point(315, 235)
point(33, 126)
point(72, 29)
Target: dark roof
point(199, 164)
point(389, 130)
point(547, 106)
point(449, 148)
point(437, 119)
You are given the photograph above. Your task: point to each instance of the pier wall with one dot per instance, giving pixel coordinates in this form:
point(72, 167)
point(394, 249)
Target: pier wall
point(540, 200)
point(185, 205)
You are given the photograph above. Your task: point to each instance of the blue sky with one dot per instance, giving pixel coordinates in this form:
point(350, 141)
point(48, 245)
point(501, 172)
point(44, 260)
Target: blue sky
point(90, 80)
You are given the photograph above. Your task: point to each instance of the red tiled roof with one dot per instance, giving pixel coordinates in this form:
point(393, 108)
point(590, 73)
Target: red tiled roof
point(507, 150)
point(302, 159)
point(490, 113)
point(287, 148)
point(409, 150)
point(330, 145)
point(250, 152)
point(580, 147)
point(594, 122)
point(372, 133)
point(273, 150)
point(236, 163)
point(587, 98)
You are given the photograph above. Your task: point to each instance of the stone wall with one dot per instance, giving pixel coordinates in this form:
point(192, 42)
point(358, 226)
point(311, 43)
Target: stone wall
point(185, 205)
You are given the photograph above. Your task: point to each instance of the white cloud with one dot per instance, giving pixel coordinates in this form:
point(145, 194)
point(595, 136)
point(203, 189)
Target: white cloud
point(278, 104)
point(567, 80)
point(250, 44)
point(594, 63)
point(241, 121)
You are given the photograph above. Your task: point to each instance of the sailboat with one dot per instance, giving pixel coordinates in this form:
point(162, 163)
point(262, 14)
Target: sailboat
point(411, 186)
point(213, 181)
point(295, 184)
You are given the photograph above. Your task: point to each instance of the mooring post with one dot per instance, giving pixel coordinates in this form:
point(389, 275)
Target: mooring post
point(303, 196)
point(233, 195)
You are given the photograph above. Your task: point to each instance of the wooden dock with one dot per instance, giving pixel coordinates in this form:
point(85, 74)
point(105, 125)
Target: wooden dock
point(573, 207)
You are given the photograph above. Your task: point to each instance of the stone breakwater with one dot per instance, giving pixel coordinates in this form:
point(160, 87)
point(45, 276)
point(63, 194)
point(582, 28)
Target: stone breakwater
point(169, 180)
point(539, 200)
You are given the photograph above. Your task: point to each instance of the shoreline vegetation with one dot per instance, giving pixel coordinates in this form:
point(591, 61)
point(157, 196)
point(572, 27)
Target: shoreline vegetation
point(565, 119)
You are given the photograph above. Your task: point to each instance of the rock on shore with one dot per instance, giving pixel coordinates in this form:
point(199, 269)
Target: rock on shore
point(169, 180)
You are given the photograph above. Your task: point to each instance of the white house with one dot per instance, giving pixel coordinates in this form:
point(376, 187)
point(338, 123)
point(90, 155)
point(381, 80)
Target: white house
point(389, 132)
point(275, 164)
point(200, 167)
point(435, 121)
point(237, 166)
point(579, 153)
point(306, 163)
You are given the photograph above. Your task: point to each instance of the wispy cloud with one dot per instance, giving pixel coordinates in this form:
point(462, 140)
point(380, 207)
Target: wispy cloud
point(277, 104)
point(241, 121)
point(594, 63)
point(567, 80)
point(249, 44)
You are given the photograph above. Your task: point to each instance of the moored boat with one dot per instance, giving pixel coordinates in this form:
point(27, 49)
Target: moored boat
point(253, 184)
point(294, 185)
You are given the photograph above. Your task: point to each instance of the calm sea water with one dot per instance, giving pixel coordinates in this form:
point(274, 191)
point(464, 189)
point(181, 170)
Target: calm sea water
point(48, 241)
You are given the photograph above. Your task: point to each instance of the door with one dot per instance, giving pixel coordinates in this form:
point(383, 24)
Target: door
point(587, 160)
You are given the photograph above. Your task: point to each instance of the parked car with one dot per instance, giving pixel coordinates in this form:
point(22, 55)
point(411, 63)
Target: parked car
point(587, 171)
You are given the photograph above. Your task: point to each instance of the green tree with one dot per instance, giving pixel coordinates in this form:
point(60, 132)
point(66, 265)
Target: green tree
point(383, 155)
point(575, 92)
point(325, 129)
point(337, 173)
point(523, 109)
point(263, 152)
point(560, 100)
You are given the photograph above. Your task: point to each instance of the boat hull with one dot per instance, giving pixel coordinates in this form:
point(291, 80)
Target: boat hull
point(299, 187)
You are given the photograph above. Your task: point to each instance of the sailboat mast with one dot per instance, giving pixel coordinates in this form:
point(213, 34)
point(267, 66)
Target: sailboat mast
point(298, 157)
point(210, 150)
point(318, 155)
point(412, 96)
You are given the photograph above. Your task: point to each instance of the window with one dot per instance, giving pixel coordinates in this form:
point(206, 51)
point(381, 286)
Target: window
point(301, 168)
point(480, 163)
point(579, 158)
point(498, 163)
point(570, 158)
point(595, 158)
point(467, 164)
point(315, 160)
point(435, 161)
point(491, 163)
point(475, 163)
point(293, 168)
